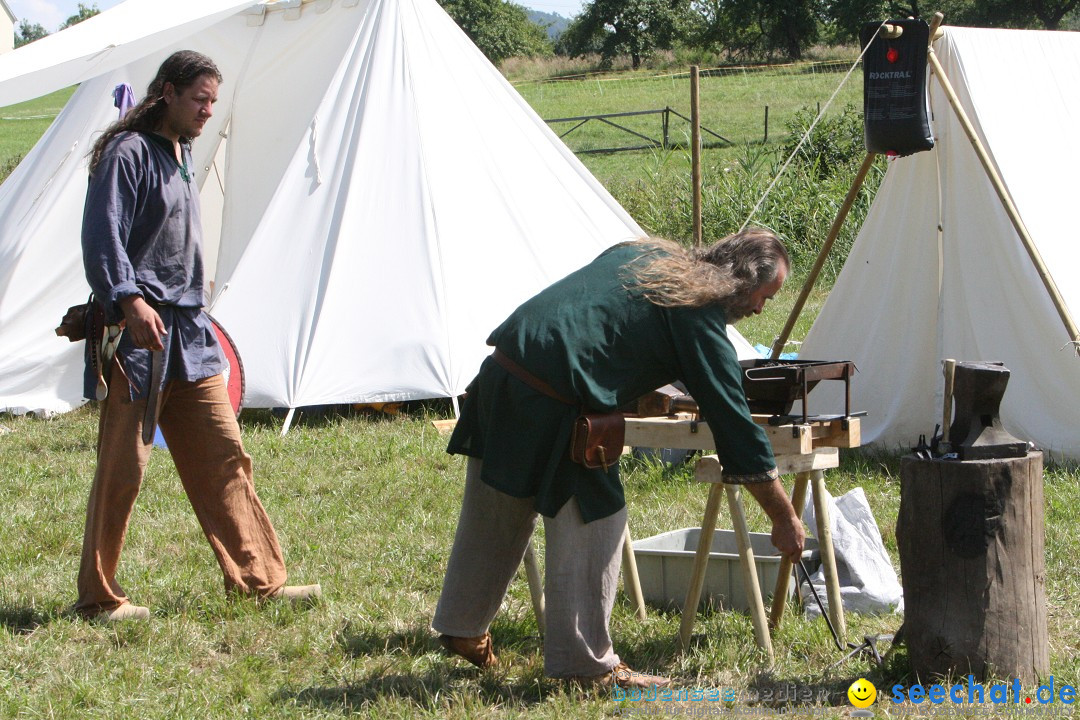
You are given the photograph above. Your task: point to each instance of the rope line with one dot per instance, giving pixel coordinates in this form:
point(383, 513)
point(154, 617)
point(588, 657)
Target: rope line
point(810, 129)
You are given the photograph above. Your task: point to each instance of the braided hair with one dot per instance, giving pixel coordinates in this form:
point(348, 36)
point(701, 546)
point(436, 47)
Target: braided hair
point(181, 69)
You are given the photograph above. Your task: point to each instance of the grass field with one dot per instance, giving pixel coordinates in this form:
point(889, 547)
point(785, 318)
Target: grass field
point(732, 103)
point(367, 506)
point(654, 185)
point(21, 125)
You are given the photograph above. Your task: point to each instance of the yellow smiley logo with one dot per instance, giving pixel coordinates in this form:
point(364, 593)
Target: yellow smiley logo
point(862, 693)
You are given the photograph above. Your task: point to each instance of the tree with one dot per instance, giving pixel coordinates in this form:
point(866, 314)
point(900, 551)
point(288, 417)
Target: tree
point(1071, 21)
point(28, 32)
point(85, 12)
point(790, 26)
point(759, 29)
point(500, 29)
point(626, 27)
point(848, 16)
point(1046, 14)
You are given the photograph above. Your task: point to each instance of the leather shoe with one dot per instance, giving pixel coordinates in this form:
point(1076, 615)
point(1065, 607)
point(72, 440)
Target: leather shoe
point(297, 593)
point(476, 650)
point(127, 611)
point(622, 676)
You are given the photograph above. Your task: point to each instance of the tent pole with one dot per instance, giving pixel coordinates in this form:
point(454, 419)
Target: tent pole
point(288, 421)
point(1006, 201)
point(834, 231)
point(695, 153)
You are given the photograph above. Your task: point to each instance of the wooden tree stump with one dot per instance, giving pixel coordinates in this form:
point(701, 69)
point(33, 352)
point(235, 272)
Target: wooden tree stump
point(970, 536)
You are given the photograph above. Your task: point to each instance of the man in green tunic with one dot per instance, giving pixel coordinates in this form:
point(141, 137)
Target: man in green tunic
point(640, 316)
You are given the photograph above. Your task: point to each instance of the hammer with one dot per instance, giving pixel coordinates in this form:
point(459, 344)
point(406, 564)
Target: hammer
point(949, 368)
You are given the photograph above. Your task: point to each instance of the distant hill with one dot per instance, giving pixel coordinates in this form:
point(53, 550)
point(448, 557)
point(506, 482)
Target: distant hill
point(554, 22)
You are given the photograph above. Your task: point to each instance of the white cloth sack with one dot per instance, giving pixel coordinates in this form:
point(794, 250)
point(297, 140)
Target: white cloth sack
point(868, 582)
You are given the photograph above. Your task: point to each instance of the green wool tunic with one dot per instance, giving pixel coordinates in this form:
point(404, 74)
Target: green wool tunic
point(595, 340)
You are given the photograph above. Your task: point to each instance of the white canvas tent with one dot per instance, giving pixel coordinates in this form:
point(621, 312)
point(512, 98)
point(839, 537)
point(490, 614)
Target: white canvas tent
point(909, 296)
point(376, 197)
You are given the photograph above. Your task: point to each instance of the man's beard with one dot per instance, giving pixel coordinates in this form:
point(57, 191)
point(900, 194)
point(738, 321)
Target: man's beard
point(736, 309)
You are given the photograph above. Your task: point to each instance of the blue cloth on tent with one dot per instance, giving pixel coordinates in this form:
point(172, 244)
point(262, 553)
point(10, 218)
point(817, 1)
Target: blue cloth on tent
point(123, 98)
point(767, 352)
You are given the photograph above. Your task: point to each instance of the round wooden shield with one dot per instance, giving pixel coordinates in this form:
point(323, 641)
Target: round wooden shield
point(234, 370)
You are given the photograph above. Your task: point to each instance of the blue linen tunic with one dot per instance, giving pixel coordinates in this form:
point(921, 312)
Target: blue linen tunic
point(142, 235)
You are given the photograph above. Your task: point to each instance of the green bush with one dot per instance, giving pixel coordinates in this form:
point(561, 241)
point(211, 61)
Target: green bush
point(8, 165)
point(830, 147)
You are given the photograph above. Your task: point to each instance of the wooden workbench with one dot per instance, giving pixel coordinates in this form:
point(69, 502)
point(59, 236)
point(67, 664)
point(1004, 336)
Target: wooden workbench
point(805, 450)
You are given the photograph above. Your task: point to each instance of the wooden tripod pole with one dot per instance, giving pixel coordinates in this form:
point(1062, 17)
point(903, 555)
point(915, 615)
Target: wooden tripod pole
point(1006, 201)
point(834, 231)
point(695, 153)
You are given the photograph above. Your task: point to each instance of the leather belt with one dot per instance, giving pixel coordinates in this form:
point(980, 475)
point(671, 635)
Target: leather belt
point(157, 371)
point(528, 378)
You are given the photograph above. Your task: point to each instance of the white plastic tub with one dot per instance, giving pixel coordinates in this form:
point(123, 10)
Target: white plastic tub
point(665, 563)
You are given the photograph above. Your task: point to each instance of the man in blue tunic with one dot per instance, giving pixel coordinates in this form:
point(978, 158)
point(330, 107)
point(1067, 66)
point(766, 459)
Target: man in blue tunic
point(640, 316)
point(142, 252)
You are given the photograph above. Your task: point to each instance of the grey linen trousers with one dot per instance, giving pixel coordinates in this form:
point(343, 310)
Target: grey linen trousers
point(581, 575)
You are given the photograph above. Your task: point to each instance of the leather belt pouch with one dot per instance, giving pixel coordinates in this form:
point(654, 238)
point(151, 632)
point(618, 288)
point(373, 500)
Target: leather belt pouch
point(597, 440)
point(82, 320)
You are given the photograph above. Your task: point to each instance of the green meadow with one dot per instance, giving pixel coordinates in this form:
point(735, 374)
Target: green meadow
point(21, 125)
point(741, 105)
point(761, 112)
point(366, 503)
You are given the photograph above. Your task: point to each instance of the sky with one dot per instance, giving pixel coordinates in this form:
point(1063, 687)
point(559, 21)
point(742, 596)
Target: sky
point(50, 14)
point(566, 8)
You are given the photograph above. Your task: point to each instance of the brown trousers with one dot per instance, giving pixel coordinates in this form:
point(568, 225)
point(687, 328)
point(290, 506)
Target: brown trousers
point(202, 434)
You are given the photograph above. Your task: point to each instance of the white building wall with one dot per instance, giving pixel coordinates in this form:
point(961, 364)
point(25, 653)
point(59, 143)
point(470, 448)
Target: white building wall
point(7, 28)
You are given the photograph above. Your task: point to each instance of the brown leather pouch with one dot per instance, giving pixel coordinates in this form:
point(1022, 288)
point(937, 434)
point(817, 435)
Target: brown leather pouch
point(82, 320)
point(597, 440)
point(73, 326)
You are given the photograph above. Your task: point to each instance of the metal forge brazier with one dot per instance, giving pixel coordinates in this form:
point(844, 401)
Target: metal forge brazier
point(773, 386)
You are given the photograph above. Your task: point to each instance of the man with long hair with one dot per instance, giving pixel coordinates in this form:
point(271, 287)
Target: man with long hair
point(640, 316)
point(142, 252)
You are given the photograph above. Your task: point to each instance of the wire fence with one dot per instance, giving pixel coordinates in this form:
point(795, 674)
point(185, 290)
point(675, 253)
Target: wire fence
point(794, 68)
point(744, 104)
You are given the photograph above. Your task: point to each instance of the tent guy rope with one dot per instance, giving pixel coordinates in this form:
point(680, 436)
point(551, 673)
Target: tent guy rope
point(806, 135)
